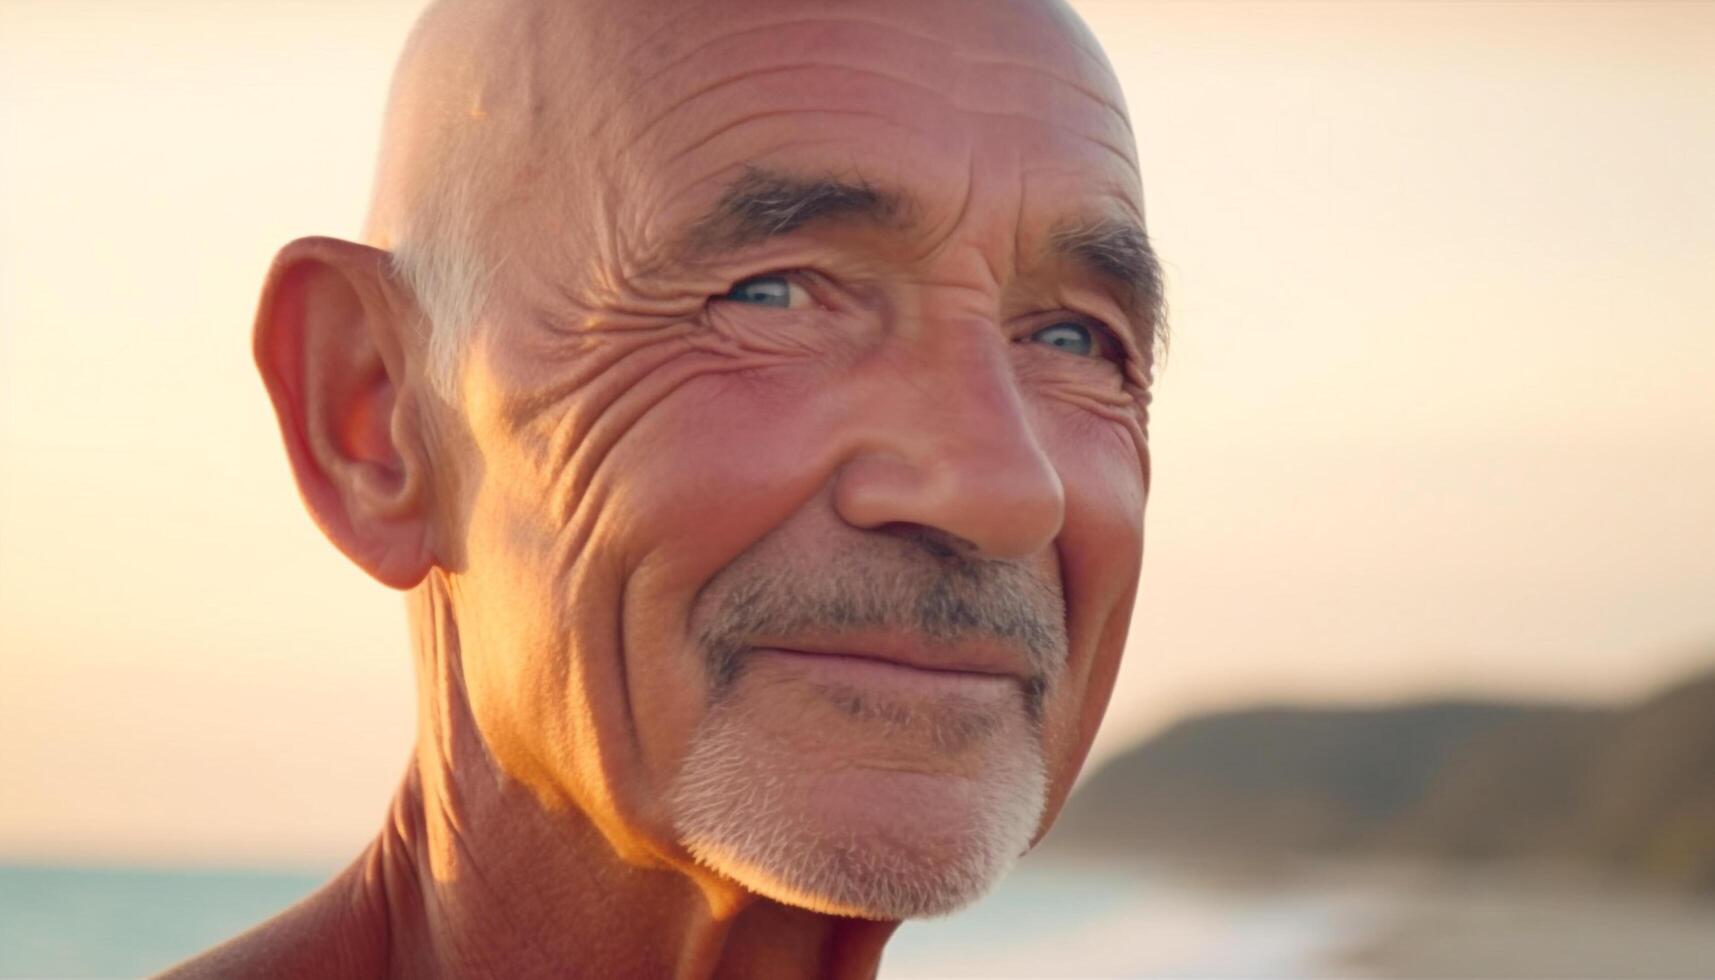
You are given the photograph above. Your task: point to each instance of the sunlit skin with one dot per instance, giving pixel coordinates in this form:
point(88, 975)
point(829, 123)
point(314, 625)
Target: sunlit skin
point(658, 407)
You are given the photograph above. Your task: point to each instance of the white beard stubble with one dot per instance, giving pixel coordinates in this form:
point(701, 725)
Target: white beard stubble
point(816, 811)
point(742, 802)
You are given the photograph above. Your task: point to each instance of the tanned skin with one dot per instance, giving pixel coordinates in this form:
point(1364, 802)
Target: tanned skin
point(621, 428)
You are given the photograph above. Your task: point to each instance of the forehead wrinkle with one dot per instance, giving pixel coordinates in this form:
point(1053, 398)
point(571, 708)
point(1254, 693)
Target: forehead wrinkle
point(1077, 37)
point(1102, 100)
point(659, 118)
point(1092, 57)
point(892, 120)
point(1117, 151)
point(723, 43)
point(708, 40)
point(1110, 148)
point(632, 55)
point(945, 67)
point(952, 101)
point(761, 114)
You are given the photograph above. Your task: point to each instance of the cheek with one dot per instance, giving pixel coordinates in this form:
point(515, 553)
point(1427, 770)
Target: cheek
point(617, 471)
point(1103, 466)
point(525, 652)
point(600, 695)
point(726, 459)
point(715, 465)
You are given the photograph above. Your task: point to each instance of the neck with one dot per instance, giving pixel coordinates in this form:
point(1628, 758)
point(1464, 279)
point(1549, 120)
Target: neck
point(473, 876)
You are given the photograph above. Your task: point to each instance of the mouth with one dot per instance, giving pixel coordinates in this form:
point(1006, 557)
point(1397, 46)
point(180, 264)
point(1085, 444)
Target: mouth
point(900, 666)
point(910, 651)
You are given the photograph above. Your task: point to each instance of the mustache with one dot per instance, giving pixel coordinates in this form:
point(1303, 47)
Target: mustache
point(940, 596)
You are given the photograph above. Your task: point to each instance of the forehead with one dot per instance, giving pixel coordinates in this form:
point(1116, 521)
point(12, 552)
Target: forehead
point(1007, 107)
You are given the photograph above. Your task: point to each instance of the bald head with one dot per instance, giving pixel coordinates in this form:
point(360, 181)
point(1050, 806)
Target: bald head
point(519, 128)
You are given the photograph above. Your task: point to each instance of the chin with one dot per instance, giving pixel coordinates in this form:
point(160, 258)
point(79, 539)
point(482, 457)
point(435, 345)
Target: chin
point(875, 819)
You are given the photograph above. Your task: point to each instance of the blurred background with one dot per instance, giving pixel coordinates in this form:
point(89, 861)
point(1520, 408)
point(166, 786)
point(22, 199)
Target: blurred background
point(1422, 676)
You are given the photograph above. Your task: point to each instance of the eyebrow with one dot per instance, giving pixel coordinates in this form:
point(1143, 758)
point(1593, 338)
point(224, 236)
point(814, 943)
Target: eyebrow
point(1117, 251)
point(763, 204)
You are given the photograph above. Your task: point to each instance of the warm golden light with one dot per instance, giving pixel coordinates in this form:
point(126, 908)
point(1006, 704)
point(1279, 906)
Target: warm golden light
point(1437, 415)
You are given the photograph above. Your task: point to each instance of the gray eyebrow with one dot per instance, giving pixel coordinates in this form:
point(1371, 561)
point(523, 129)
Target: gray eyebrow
point(1118, 252)
point(762, 204)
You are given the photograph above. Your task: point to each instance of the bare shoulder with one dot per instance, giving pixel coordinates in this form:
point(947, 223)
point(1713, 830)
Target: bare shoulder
point(340, 931)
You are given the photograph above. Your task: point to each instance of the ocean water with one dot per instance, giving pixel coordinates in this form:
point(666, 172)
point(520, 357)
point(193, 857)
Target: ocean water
point(1043, 921)
point(1057, 921)
point(125, 922)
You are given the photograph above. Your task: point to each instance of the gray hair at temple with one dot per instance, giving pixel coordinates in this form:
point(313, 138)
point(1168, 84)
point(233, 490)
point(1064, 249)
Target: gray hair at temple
point(427, 201)
point(438, 259)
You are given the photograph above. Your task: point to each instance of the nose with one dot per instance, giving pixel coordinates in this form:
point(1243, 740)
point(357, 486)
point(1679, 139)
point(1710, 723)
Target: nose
point(947, 445)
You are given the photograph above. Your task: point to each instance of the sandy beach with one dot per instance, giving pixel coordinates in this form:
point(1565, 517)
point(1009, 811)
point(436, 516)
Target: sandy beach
point(1525, 922)
point(1382, 919)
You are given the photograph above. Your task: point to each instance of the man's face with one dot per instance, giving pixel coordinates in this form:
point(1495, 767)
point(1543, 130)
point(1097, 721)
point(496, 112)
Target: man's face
point(801, 484)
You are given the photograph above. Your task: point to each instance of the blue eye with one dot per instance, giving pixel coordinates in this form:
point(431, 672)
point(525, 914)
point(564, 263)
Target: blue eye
point(1071, 337)
point(762, 291)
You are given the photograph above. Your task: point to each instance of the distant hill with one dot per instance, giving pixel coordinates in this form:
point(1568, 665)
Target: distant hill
point(1649, 802)
point(1632, 788)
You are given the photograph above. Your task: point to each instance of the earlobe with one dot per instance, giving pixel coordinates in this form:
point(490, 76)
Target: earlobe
point(332, 339)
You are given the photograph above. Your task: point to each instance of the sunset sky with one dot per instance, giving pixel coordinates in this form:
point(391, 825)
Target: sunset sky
point(1439, 415)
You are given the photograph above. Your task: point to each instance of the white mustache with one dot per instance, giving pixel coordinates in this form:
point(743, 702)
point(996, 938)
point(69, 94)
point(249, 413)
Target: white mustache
point(939, 596)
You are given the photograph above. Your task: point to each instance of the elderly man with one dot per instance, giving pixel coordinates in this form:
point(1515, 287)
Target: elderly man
point(752, 398)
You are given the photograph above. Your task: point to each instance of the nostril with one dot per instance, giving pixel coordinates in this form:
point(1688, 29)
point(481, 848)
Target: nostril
point(935, 541)
point(973, 498)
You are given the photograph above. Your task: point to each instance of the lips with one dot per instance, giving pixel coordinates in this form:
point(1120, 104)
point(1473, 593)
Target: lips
point(912, 652)
point(892, 683)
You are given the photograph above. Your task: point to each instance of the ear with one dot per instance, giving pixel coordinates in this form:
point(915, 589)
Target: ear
point(331, 334)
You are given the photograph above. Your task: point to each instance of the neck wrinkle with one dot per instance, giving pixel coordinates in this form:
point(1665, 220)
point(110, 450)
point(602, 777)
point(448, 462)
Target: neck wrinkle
point(474, 865)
